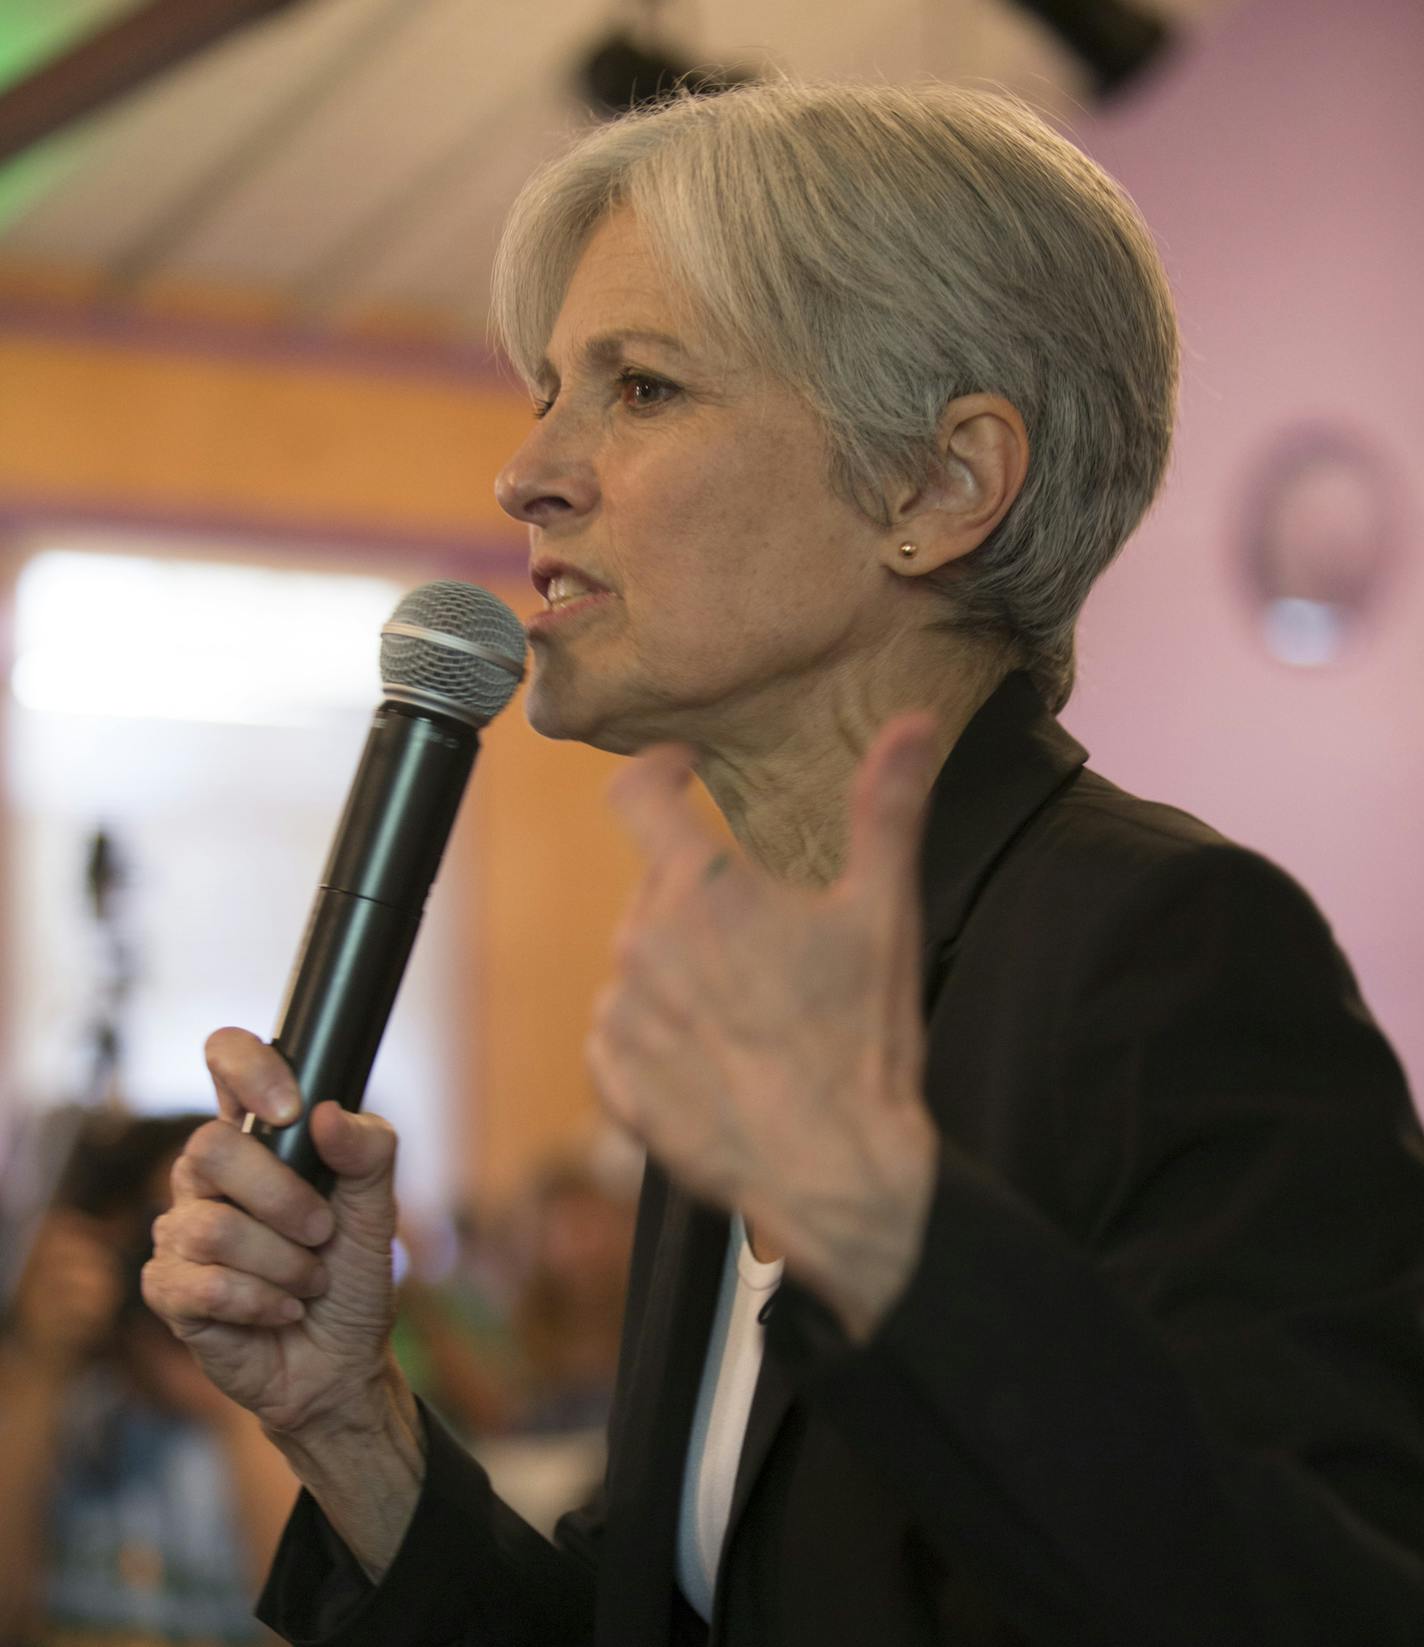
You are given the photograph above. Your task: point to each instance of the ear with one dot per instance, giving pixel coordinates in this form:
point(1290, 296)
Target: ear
point(983, 459)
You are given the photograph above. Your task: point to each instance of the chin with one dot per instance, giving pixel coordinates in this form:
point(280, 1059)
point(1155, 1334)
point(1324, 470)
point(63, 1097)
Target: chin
point(563, 714)
point(550, 720)
point(559, 709)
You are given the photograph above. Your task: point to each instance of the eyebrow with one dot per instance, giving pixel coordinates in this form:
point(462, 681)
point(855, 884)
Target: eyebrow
point(606, 347)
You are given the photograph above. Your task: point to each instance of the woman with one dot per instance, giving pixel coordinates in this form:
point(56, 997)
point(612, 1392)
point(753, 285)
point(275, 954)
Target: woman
point(1098, 1199)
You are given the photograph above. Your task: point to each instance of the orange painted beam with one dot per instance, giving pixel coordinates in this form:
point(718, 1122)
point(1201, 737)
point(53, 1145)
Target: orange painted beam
point(309, 437)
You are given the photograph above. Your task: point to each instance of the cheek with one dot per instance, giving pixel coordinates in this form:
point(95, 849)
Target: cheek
point(698, 542)
point(735, 546)
point(757, 497)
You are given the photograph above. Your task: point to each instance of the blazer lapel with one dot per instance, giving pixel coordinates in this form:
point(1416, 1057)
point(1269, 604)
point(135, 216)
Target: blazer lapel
point(1010, 760)
point(775, 1389)
point(660, 1382)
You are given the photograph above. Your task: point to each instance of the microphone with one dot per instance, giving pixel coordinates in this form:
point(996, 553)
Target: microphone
point(451, 658)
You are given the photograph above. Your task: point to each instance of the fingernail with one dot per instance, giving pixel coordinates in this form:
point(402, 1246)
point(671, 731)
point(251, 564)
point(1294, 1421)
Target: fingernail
point(318, 1228)
point(286, 1106)
point(291, 1309)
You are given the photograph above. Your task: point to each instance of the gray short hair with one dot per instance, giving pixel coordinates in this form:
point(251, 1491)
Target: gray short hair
point(885, 250)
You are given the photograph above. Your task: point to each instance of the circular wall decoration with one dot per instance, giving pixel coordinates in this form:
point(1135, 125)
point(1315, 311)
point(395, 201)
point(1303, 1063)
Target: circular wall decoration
point(1319, 542)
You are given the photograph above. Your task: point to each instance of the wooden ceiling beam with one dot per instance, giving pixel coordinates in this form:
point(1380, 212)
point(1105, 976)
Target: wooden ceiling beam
point(115, 60)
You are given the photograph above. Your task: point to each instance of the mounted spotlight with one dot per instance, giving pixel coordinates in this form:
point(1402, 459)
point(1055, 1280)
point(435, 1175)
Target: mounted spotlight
point(619, 74)
point(1114, 38)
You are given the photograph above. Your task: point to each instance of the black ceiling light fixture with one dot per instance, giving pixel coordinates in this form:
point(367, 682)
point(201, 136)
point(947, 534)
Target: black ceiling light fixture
point(632, 67)
point(1115, 39)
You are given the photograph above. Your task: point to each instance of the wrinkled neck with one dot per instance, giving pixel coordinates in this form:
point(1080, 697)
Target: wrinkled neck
point(787, 797)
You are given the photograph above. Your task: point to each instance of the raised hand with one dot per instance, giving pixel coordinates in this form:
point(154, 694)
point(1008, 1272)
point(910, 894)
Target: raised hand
point(765, 1041)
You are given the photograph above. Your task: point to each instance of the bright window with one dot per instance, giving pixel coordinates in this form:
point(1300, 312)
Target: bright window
point(206, 718)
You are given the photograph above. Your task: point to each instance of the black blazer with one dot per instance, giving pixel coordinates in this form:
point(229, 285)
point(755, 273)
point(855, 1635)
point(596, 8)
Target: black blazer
point(1158, 1379)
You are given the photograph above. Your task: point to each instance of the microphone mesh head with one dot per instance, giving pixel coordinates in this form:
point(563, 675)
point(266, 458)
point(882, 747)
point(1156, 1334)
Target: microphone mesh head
point(437, 668)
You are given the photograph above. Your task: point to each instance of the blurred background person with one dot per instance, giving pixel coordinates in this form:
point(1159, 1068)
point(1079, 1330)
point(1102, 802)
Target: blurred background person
point(514, 1338)
point(453, 1335)
point(136, 1503)
point(568, 1311)
point(519, 1332)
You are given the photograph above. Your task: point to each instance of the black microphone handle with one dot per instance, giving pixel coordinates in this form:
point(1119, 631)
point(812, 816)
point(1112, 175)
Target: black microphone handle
point(388, 846)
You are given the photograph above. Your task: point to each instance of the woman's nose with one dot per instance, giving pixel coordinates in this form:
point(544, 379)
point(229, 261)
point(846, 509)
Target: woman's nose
point(545, 480)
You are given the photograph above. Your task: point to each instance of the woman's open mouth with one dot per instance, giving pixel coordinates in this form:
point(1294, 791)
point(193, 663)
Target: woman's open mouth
point(565, 594)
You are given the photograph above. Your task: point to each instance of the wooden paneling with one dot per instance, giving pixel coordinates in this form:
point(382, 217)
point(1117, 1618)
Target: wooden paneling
point(305, 439)
point(554, 872)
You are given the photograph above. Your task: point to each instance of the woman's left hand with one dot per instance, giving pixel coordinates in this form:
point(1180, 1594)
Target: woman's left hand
point(765, 1041)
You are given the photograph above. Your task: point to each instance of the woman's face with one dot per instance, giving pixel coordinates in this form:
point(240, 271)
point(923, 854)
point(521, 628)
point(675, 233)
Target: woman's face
point(699, 574)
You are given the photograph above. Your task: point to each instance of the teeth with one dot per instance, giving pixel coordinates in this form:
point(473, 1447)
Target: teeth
point(566, 587)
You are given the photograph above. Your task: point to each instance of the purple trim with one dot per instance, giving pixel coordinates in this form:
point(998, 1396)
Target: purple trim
point(469, 364)
point(459, 554)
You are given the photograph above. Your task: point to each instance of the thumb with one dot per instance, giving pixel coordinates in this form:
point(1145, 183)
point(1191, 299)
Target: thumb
point(361, 1151)
point(887, 811)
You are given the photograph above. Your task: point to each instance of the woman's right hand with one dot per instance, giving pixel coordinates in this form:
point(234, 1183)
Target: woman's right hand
point(285, 1300)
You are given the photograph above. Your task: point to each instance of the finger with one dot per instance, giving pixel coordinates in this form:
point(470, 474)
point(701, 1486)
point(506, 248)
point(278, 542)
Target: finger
point(650, 798)
point(887, 827)
point(251, 1078)
point(190, 1296)
point(887, 814)
point(640, 905)
point(662, 884)
point(606, 1064)
point(216, 1232)
point(221, 1161)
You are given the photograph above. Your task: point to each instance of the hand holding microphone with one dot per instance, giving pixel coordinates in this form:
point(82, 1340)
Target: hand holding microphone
point(284, 1297)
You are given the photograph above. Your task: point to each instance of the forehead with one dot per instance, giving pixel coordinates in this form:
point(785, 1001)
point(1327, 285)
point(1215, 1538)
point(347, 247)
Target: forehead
point(620, 286)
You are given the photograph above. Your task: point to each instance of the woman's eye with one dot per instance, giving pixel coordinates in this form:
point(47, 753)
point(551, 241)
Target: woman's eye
point(639, 392)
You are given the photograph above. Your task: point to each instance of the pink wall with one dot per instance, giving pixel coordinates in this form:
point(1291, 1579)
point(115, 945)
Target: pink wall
point(1280, 162)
